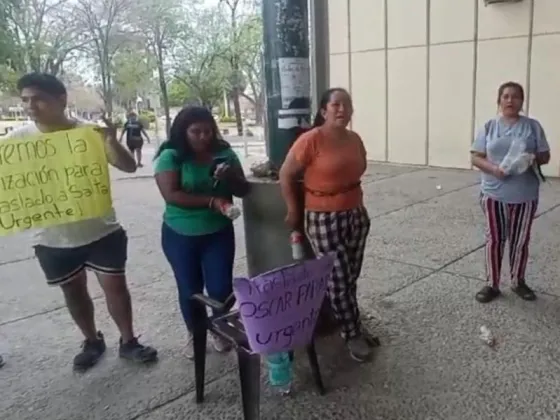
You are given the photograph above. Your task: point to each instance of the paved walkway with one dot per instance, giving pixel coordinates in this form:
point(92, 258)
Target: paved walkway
point(423, 265)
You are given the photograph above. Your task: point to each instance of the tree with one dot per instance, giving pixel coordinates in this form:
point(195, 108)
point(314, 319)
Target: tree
point(8, 50)
point(158, 23)
point(251, 63)
point(132, 71)
point(179, 94)
point(234, 58)
point(105, 26)
point(243, 53)
point(199, 57)
point(42, 34)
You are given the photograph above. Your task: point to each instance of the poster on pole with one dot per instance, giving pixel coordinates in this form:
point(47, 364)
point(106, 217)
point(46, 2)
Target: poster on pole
point(53, 178)
point(279, 309)
point(295, 82)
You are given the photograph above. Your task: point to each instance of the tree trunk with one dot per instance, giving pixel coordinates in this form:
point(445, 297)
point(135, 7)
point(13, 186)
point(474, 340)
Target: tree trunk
point(163, 88)
point(259, 109)
point(237, 110)
point(109, 97)
point(236, 74)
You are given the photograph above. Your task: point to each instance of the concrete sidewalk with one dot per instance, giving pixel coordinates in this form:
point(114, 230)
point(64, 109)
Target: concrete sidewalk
point(423, 265)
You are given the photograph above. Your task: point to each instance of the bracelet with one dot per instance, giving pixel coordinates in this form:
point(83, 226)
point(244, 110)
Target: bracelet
point(211, 202)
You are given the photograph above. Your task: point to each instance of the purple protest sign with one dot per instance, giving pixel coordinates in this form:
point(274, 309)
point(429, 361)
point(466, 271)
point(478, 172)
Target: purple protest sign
point(279, 309)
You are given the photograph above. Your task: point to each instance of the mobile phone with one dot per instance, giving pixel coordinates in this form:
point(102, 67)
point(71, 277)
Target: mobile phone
point(216, 162)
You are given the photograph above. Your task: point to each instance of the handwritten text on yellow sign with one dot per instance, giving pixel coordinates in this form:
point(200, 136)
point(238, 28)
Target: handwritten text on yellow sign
point(53, 178)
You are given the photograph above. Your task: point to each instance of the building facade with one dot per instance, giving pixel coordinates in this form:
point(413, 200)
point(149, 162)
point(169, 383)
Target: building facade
point(424, 74)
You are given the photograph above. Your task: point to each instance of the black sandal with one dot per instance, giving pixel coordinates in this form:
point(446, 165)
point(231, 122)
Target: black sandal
point(524, 292)
point(487, 294)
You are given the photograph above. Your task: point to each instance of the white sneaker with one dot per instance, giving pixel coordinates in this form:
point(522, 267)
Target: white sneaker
point(219, 344)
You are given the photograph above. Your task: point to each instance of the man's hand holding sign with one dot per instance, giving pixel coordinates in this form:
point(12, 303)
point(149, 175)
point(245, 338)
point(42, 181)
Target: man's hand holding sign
point(117, 155)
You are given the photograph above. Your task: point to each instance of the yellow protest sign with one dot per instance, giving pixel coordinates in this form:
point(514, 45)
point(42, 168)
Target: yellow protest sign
point(53, 178)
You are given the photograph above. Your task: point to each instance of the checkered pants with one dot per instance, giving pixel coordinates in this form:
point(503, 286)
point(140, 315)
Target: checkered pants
point(344, 233)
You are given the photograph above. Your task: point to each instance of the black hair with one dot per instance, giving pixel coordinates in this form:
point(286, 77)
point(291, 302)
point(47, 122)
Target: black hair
point(513, 85)
point(178, 133)
point(324, 101)
point(44, 82)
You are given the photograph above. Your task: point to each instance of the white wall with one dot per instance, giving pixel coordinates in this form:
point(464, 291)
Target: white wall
point(424, 73)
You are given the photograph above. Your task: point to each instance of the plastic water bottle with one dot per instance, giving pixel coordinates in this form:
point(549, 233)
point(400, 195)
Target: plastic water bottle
point(516, 149)
point(296, 241)
point(280, 373)
point(231, 211)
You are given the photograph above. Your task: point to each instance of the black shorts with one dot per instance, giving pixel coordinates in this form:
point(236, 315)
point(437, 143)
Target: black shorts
point(105, 256)
point(134, 143)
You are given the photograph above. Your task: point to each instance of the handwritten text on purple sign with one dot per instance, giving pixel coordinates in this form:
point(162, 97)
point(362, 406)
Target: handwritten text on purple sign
point(279, 309)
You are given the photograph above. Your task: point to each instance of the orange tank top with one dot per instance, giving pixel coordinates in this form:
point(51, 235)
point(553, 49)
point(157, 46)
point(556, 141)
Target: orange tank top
point(333, 170)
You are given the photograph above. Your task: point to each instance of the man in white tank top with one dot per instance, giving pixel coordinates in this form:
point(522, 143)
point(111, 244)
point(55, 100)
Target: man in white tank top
point(65, 251)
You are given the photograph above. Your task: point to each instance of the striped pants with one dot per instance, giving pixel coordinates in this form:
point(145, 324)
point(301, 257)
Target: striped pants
point(344, 233)
point(511, 223)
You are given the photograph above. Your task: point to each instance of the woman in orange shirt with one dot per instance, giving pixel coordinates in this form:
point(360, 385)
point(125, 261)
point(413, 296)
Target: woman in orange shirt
point(332, 159)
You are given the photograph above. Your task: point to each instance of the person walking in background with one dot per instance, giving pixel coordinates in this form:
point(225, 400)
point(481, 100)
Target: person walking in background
point(65, 251)
point(332, 159)
point(197, 238)
point(134, 130)
point(509, 200)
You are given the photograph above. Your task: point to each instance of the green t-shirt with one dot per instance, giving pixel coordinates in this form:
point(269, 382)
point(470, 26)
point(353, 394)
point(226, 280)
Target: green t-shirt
point(196, 179)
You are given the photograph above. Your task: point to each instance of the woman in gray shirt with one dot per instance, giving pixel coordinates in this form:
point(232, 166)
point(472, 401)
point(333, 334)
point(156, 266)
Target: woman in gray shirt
point(509, 201)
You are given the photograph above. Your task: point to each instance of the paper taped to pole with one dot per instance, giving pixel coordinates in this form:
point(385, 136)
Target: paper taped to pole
point(279, 309)
point(53, 178)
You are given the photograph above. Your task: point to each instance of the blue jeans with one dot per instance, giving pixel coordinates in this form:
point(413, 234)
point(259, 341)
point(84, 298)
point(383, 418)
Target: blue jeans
point(198, 261)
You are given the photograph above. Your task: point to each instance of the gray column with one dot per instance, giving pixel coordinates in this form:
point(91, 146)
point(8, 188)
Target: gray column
point(320, 64)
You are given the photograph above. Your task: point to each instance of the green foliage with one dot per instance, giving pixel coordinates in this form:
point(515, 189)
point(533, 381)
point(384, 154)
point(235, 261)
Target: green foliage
point(179, 94)
point(244, 55)
point(132, 69)
point(200, 63)
point(8, 79)
point(38, 35)
point(225, 119)
point(118, 121)
point(148, 116)
point(192, 52)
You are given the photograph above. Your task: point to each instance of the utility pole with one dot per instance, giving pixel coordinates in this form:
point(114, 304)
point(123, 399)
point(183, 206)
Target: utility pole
point(288, 111)
point(289, 100)
point(287, 74)
point(319, 18)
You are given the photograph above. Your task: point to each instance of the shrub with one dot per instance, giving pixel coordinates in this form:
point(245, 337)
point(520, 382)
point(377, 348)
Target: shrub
point(148, 115)
point(118, 121)
point(224, 119)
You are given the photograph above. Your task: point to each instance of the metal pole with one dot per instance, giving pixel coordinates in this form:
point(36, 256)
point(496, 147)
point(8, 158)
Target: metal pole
point(319, 22)
point(288, 109)
point(287, 74)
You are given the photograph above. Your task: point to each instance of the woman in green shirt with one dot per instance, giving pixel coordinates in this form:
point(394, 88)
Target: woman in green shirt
point(197, 174)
